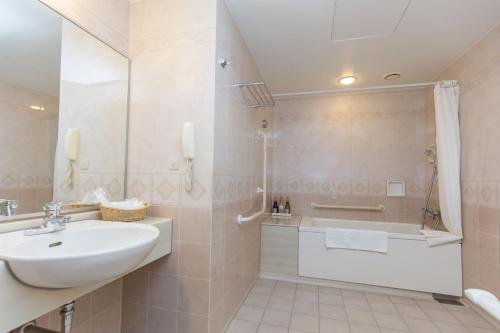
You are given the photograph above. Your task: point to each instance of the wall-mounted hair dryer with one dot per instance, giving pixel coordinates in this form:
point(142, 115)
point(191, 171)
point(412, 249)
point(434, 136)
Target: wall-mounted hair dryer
point(188, 151)
point(71, 149)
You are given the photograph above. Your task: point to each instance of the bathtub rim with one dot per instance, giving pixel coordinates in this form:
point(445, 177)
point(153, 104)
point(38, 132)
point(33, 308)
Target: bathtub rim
point(305, 226)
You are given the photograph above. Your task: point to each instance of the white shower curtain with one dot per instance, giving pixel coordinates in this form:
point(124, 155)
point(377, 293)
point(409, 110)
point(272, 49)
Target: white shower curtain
point(446, 99)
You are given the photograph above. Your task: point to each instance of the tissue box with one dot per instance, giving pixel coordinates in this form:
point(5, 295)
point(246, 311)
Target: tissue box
point(124, 215)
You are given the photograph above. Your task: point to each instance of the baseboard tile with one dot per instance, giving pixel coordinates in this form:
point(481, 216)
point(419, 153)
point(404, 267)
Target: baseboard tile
point(348, 285)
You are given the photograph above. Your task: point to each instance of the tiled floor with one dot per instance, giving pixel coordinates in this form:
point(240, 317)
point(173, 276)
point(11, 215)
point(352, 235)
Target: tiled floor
point(283, 307)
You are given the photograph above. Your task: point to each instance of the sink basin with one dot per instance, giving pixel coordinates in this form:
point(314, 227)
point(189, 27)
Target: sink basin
point(85, 252)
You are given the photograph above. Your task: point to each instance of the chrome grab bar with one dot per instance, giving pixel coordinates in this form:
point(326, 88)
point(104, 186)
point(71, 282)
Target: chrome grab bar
point(240, 219)
point(379, 208)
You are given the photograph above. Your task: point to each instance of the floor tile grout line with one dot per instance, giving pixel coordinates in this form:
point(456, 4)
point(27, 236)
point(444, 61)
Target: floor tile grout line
point(414, 302)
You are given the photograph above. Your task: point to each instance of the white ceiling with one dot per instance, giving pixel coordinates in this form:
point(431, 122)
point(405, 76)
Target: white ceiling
point(307, 45)
point(30, 45)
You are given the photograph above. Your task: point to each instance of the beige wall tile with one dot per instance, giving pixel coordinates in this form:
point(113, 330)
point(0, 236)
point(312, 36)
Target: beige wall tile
point(134, 318)
point(161, 320)
point(193, 296)
point(82, 328)
point(105, 296)
point(190, 323)
point(479, 78)
point(82, 310)
point(341, 149)
point(166, 189)
point(135, 287)
point(488, 222)
point(195, 225)
point(107, 320)
point(163, 291)
point(194, 260)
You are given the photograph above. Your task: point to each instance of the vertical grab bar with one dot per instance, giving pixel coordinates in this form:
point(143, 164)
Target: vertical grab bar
point(240, 219)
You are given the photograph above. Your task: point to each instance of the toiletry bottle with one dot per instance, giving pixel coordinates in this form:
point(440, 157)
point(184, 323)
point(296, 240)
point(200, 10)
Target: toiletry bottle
point(281, 206)
point(287, 206)
point(275, 206)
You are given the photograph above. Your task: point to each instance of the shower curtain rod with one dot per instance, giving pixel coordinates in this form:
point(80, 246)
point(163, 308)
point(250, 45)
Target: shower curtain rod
point(353, 90)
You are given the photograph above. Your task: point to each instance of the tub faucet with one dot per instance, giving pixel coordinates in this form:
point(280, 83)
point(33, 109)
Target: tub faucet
point(53, 221)
point(7, 207)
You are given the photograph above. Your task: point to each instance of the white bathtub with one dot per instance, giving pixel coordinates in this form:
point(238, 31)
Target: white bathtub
point(409, 263)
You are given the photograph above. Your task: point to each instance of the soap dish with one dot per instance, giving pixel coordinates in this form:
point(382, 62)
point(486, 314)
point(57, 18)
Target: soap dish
point(396, 188)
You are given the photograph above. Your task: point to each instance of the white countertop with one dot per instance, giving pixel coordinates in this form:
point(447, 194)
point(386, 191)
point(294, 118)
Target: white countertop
point(20, 303)
point(293, 221)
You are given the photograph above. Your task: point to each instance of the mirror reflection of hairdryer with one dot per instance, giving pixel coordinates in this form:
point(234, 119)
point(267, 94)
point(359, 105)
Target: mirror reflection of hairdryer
point(71, 149)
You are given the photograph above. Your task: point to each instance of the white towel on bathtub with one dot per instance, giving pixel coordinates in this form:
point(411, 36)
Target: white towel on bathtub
point(436, 237)
point(363, 240)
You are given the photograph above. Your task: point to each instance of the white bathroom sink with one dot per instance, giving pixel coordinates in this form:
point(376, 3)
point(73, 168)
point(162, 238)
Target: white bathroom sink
point(85, 252)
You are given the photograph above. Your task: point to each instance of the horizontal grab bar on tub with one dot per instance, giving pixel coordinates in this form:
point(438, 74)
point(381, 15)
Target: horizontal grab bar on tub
point(379, 208)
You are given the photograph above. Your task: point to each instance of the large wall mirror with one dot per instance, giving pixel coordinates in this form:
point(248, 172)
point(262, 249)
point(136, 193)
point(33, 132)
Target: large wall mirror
point(63, 110)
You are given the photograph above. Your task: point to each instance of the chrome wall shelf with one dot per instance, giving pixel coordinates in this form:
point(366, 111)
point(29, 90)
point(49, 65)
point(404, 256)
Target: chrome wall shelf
point(256, 94)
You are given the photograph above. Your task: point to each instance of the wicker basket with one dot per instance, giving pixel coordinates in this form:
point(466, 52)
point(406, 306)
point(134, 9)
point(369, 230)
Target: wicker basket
point(124, 215)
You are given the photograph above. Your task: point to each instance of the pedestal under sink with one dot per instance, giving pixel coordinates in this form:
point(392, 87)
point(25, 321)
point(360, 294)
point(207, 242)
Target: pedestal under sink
point(85, 252)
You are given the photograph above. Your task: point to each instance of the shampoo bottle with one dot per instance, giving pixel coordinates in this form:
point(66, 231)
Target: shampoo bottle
point(275, 206)
point(281, 206)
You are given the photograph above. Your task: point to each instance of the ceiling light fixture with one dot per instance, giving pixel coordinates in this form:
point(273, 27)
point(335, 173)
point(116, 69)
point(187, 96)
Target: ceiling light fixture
point(392, 76)
point(37, 108)
point(347, 80)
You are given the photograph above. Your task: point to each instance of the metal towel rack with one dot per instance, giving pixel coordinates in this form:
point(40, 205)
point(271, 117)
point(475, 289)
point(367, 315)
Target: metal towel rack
point(379, 208)
point(256, 95)
point(240, 219)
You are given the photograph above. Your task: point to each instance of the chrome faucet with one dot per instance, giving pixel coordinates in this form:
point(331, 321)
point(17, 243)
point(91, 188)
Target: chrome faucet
point(7, 207)
point(53, 215)
point(53, 221)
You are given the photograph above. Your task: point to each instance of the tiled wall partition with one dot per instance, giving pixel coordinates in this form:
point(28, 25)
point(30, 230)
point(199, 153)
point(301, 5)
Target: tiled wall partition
point(479, 74)
point(172, 51)
point(341, 150)
point(238, 158)
point(174, 79)
point(28, 141)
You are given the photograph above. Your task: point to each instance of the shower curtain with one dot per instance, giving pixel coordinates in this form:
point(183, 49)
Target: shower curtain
point(446, 99)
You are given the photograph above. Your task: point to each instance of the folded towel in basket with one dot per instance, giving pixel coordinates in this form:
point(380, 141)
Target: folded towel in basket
point(364, 240)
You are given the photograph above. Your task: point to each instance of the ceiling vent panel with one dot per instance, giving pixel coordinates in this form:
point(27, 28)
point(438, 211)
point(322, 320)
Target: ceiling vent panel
point(356, 19)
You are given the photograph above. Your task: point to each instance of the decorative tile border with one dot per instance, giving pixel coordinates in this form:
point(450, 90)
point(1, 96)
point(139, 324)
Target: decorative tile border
point(414, 188)
point(9, 180)
point(166, 189)
point(487, 193)
point(469, 192)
